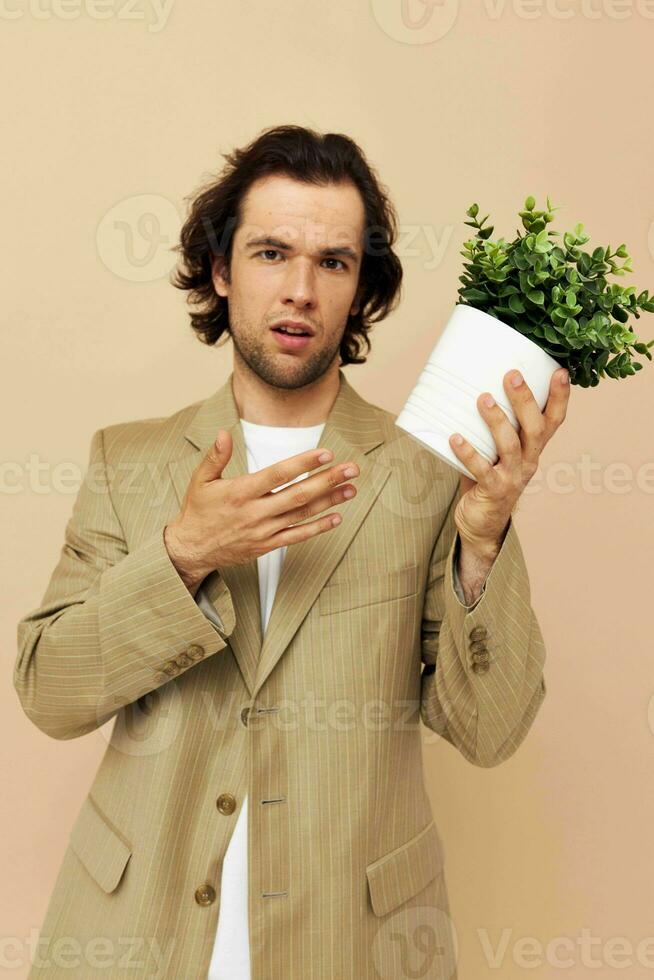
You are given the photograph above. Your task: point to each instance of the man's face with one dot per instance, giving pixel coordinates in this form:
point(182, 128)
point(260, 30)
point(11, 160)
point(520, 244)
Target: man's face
point(295, 256)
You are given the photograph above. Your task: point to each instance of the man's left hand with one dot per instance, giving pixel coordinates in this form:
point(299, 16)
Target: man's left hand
point(483, 511)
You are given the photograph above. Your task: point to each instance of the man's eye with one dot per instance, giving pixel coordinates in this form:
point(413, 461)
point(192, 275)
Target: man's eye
point(276, 251)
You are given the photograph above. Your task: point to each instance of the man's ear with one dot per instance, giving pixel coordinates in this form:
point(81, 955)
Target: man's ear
point(220, 275)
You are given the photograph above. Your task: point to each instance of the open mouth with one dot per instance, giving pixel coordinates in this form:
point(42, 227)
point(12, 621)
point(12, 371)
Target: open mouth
point(292, 333)
point(290, 341)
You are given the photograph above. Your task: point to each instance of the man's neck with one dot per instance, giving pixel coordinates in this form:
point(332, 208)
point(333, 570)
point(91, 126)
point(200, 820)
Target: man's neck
point(264, 404)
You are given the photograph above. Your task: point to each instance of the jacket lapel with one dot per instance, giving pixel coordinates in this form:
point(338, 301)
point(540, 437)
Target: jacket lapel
point(351, 431)
point(219, 411)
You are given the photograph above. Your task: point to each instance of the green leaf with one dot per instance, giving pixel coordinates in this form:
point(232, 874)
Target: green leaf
point(516, 304)
point(601, 360)
point(530, 203)
point(475, 295)
point(536, 296)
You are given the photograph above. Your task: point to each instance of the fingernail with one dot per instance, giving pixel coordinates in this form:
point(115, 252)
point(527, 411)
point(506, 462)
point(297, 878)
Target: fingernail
point(325, 457)
point(489, 401)
point(564, 378)
point(516, 380)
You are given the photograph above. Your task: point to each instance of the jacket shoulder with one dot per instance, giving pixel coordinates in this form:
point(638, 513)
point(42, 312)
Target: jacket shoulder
point(149, 437)
point(408, 449)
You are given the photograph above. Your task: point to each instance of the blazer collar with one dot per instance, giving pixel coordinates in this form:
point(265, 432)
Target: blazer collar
point(354, 417)
point(352, 429)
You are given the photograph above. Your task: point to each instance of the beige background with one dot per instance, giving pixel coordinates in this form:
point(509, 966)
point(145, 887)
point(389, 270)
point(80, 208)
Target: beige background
point(109, 124)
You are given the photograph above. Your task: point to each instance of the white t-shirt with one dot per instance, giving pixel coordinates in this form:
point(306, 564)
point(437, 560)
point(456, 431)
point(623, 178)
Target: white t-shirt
point(230, 960)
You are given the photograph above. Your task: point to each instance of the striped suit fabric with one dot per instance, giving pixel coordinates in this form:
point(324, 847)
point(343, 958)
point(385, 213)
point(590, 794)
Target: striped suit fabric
point(319, 722)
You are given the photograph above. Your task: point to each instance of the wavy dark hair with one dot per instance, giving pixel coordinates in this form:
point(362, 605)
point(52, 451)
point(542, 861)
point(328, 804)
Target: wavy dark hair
point(311, 157)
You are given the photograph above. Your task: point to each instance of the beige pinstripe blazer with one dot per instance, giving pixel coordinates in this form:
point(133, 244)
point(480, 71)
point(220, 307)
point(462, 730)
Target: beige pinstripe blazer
point(319, 723)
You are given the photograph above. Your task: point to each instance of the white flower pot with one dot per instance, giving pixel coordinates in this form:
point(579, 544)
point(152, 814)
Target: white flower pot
point(472, 355)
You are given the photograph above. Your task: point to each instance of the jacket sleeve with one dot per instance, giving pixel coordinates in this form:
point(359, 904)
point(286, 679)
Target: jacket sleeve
point(112, 625)
point(482, 683)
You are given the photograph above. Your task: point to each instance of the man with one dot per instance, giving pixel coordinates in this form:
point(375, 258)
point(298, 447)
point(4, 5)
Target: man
point(240, 826)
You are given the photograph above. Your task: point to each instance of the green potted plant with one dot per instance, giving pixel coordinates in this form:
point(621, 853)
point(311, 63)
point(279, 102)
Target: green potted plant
point(532, 303)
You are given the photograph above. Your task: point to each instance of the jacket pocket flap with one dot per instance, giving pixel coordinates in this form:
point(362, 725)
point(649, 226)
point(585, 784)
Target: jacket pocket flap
point(375, 587)
point(405, 871)
point(101, 850)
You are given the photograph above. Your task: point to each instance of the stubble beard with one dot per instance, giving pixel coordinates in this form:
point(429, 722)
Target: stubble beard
point(279, 369)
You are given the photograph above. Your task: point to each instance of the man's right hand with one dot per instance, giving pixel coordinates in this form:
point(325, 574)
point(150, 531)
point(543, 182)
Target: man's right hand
point(225, 522)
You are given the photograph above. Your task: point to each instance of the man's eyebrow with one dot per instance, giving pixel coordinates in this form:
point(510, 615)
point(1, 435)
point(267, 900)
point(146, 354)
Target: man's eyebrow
point(273, 242)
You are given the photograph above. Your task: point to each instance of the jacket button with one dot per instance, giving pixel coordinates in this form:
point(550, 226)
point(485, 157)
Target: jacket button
point(195, 651)
point(478, 646)
point(245, 714)
point(226, 803)
point(170, 668)
point(480, 658)
point(478, 633)
point(205, 894)
point(480, 667)
point(184, 660)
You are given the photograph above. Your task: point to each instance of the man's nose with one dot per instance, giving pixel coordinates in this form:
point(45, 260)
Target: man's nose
point(299, 284)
